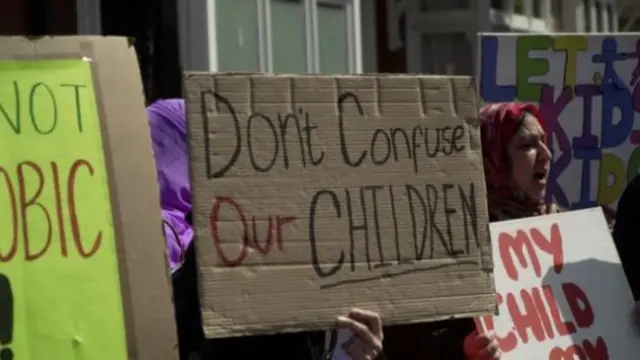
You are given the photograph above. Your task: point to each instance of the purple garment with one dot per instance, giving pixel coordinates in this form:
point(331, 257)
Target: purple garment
point(168, 123)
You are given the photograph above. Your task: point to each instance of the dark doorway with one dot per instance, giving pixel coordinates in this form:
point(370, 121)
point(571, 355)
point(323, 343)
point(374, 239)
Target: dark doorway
point(38, 17)
point(153, 25)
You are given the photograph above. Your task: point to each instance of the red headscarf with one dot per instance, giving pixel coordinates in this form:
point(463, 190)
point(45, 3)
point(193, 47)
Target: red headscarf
point(499, 122)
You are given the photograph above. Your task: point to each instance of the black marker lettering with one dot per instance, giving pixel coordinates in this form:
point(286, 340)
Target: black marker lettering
point(276, 144)
point(353, 228)
point(415, 144)
point(469, 214)
point(411, 191)
point(458, 135)
point(343, 138)
point(312, 233)
point(409, 149)
point(422, 206)
point(448, 213)
point(432, 201)
point(309, 129)
point(394, 219)
point(206, 129)
point(386, 147)
point(376, 223)
point(283, 122)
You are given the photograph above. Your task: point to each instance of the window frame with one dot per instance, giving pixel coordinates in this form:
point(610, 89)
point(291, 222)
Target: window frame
point(265, 42)
point(89, 17)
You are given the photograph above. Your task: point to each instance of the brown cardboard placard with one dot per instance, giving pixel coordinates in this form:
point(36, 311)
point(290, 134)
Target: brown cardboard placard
point(286, 170)
point(108, 105)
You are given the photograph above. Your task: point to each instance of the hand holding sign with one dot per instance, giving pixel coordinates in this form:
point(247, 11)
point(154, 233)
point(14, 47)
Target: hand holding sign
point(481, 346)
point(365, 342)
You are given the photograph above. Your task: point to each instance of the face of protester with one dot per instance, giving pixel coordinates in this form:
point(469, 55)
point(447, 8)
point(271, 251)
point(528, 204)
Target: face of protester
point(530, 158)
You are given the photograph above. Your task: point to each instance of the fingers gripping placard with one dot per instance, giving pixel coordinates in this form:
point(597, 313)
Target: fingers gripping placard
point(313, 194)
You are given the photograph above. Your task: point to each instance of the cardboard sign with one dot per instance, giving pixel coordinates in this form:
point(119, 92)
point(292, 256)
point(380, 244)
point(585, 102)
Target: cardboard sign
point(82, 274)
point(562, 293)
point(588, 90)
point(313, 194)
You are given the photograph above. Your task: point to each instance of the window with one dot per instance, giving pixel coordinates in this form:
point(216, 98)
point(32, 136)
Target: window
point(556, 14)
point(537, 9)
point(237, 35)
point(333, 40)
point(286, 36)
point(611, 18)
point(598, 10)
point(518, 6)
point(446, 54)
point(586, 10)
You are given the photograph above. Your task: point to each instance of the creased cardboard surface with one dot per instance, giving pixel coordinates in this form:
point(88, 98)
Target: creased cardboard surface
point(314, 194)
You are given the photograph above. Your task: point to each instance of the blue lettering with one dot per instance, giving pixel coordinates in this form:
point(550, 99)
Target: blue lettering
point(608, 56)
point(615, 133)
point(490, 91)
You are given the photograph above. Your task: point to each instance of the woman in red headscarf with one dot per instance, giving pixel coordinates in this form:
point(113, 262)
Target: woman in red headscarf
point(516, 160)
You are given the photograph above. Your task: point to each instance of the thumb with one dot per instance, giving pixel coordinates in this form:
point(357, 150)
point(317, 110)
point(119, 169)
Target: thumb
point(479, 346)
point(470, 345)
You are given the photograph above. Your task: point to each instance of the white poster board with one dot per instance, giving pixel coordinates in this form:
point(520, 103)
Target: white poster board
point(588, 89)
point(562, 293)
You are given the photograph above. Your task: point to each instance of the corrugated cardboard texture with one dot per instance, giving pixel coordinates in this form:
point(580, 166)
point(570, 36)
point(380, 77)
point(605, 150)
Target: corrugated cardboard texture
point(151, 332)
point(359, 214)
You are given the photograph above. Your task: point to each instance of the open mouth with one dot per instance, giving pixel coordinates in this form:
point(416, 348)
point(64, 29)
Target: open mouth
point(540, 175)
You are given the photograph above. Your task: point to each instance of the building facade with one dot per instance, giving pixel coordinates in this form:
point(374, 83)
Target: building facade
point(339, 36)
point(442, 34)
point(310, 36)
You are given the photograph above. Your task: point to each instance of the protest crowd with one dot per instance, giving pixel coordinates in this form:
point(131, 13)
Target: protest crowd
point(406, 216)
